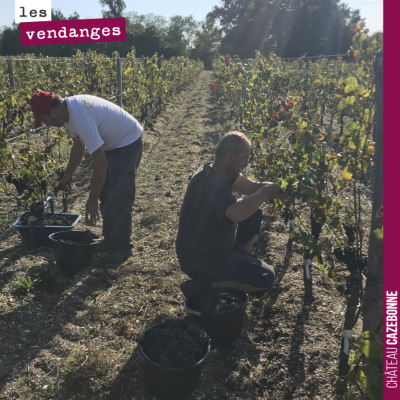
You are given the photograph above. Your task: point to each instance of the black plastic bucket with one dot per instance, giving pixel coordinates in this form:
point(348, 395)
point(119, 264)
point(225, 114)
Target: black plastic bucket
point(222, 327)
point(72, 257)
point(170, 383)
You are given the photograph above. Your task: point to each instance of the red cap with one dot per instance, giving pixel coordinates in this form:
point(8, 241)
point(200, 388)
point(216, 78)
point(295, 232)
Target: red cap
point(40, 103)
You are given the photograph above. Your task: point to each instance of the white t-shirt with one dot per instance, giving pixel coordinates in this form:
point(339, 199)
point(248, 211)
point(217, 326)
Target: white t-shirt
point(97, 121)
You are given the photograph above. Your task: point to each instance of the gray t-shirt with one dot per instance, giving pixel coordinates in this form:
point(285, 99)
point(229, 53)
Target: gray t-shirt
point(204, 230)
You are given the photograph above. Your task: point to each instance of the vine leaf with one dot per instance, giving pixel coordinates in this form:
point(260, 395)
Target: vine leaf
point(346, 175)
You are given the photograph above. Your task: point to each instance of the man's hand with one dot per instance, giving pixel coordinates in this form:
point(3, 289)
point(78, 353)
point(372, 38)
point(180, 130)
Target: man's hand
point(92, 211)
point(99, 173)
point(273, 191)
point(246, 207)
point(75, 158)
point(64, 184)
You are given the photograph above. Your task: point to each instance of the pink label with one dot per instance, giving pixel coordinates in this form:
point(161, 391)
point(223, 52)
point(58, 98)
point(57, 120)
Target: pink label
point(73, 31)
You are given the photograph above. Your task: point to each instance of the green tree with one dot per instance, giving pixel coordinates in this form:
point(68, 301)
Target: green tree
point(153, 33)
point(180, 34)
point(146, 33)
point(288, 28)
point(115, 8)
point(206, 45)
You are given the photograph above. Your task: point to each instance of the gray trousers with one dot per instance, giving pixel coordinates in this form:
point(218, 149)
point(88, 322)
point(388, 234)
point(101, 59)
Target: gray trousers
point(118, 193)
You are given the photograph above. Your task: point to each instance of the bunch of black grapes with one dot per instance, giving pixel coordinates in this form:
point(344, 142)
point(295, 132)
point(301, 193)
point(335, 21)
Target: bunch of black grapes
point(316, 228)
point(22, 183)
point(351, 258)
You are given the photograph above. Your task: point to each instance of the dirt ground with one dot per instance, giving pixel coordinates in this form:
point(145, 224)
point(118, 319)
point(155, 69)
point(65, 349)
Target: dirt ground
point(81, 342)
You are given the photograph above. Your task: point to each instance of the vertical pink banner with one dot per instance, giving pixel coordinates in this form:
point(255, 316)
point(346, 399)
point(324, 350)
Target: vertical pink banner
point(391, 139)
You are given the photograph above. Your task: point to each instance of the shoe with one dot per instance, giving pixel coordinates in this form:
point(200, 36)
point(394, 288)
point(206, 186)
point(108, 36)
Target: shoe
point(117, 253)
point(103, 246)
point(195, 287)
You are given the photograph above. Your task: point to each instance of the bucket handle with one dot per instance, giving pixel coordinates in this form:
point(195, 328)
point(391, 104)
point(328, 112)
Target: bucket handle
point(50, 201)
point(191, 312)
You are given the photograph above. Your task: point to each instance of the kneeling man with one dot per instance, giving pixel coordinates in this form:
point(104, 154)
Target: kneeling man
point(216, 231)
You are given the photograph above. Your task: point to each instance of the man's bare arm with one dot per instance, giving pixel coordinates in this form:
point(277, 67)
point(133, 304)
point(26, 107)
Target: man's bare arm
point(246, 186)
point(99, 173)
point(244, 208)
point(99, 177)
point(77, 150)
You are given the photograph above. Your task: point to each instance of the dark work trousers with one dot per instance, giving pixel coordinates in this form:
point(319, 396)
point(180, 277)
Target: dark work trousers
point(237, 265)
point(118, 193)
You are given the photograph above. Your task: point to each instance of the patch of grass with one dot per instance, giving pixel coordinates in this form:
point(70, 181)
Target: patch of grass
point(24, 285)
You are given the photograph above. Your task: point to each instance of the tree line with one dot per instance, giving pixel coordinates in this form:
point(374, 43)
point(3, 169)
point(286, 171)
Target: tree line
point(287, 28)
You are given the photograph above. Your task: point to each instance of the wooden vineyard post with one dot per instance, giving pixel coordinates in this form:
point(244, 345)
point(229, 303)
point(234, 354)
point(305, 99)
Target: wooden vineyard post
point(372, 303)
point(119, 81)
point(11, 73)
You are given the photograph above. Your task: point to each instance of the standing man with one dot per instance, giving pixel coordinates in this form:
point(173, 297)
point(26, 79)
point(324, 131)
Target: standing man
point(113, 139)
point(216, 231)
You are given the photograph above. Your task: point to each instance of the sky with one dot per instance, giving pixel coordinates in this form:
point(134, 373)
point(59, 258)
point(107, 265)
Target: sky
point(372, 10)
